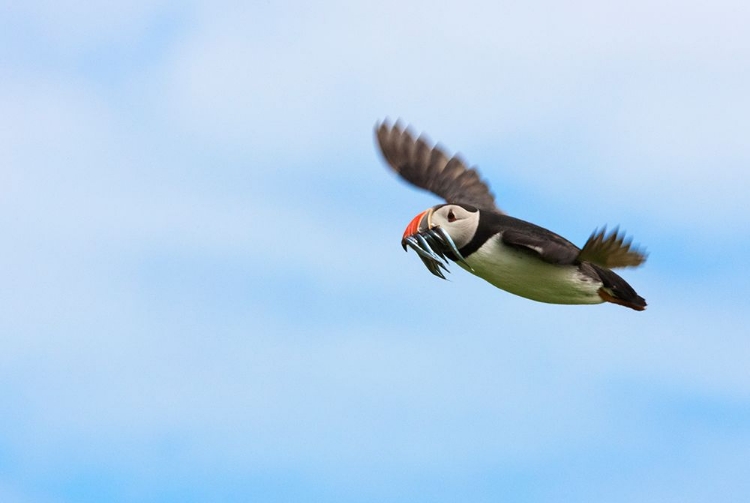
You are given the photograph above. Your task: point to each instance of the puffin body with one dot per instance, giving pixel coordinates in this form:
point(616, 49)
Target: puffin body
point(520, 273)
point(511, 254)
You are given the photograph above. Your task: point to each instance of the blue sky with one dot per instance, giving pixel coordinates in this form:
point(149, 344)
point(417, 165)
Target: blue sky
point(203, 293)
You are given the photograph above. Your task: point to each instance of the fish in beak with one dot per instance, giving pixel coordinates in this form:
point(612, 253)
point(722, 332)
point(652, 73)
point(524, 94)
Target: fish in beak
point(432, 244)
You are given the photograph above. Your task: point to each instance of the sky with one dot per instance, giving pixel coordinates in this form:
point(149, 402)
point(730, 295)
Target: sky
point(203, 295)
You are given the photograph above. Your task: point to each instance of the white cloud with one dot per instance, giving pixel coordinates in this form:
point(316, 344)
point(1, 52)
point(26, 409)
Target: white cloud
point(70, 27)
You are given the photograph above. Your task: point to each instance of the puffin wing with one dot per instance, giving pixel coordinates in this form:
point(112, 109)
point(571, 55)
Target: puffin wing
point(611, 251)
point(550, 247)
point(428, 167)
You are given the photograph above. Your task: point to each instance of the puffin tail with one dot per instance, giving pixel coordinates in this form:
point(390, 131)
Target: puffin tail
point(617, 291)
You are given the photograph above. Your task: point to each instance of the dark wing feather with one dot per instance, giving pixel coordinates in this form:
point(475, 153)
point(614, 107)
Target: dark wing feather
point(611, 251)
point(550, 247)
point(427, 167)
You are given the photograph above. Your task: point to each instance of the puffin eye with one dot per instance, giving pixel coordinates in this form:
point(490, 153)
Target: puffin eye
point(451, 216)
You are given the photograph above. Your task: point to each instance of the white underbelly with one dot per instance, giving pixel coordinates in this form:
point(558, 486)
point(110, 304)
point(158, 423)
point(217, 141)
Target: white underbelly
point(526, 275)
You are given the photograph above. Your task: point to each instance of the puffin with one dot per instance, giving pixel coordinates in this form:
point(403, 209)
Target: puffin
point(514, 255)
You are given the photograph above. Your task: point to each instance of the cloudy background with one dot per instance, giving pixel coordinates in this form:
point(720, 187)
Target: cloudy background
point(203, 296)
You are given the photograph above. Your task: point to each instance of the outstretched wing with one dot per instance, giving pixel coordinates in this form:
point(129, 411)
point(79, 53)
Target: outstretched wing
point(426, 166)
point(611, 251)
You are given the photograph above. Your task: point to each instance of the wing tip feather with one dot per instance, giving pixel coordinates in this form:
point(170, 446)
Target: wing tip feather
point(425, 164)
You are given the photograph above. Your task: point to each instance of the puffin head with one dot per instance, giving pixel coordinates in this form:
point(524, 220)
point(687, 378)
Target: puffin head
point(439, 232)
point(459, 221)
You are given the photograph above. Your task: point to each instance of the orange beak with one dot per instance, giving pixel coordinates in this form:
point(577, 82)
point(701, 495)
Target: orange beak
point(415, 225)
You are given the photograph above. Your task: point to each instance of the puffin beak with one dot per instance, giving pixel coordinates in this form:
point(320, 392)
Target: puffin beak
point(415, 226)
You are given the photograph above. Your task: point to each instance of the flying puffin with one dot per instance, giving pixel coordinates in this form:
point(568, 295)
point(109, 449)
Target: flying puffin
point(513, 255)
